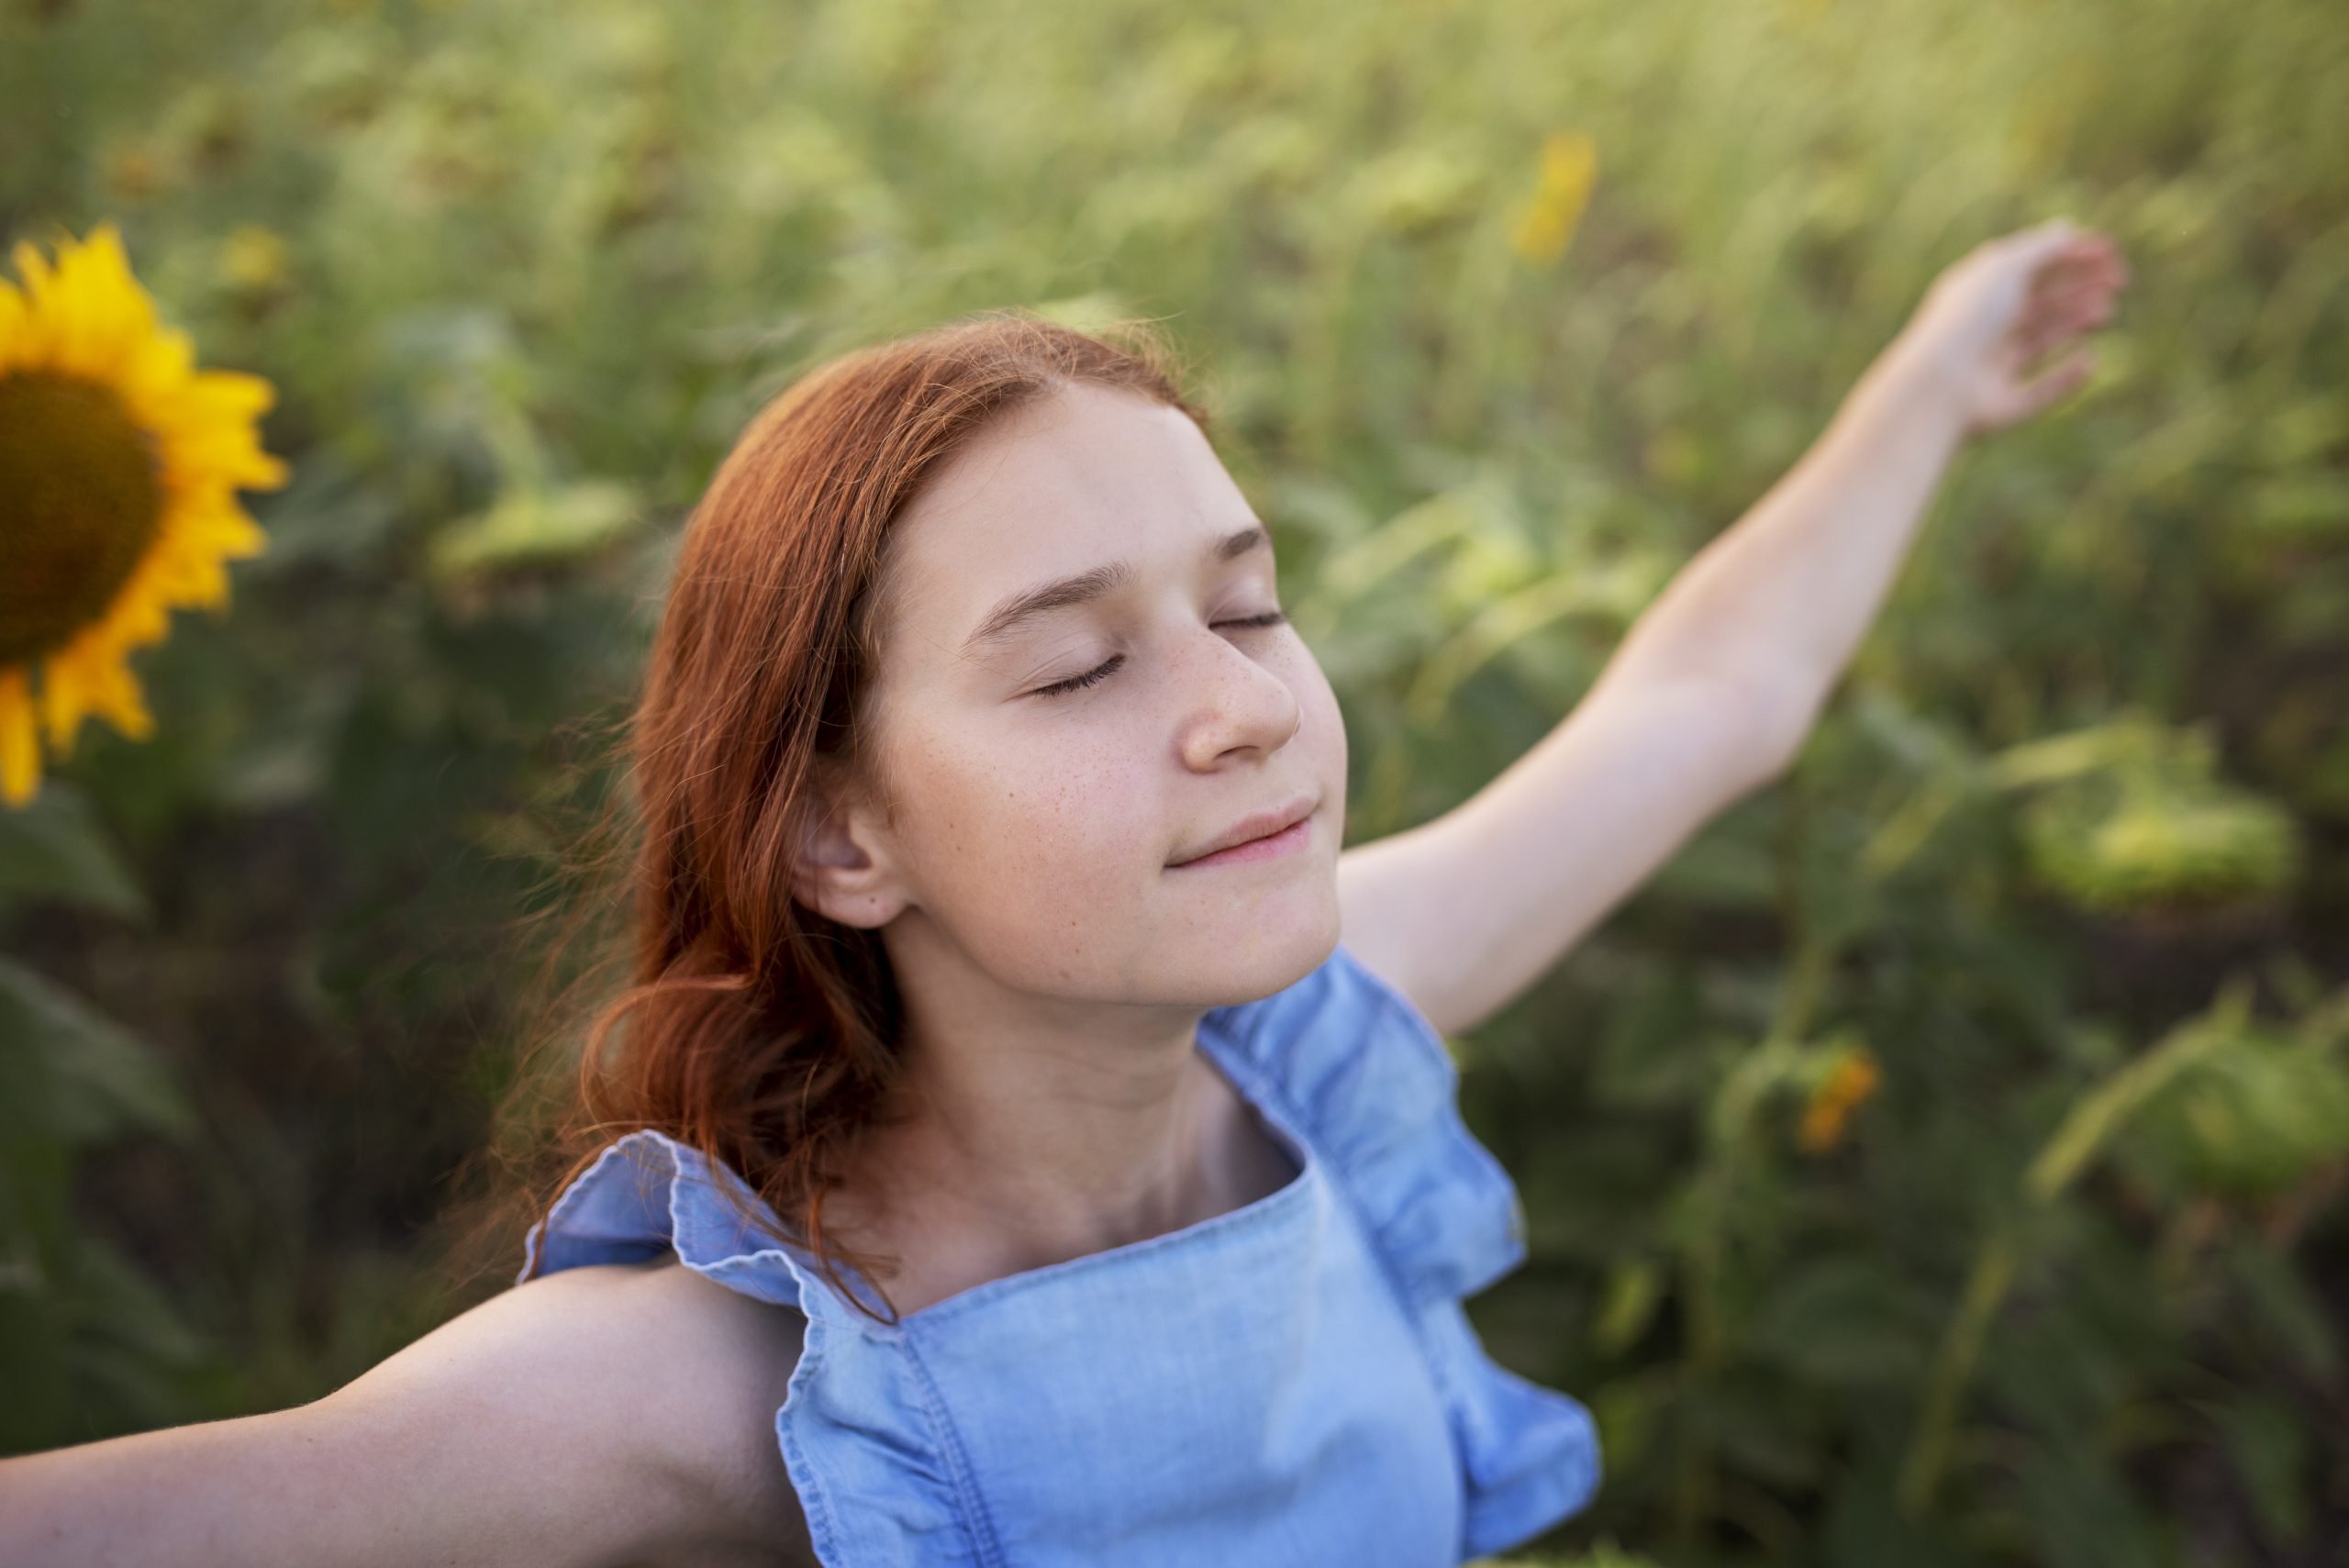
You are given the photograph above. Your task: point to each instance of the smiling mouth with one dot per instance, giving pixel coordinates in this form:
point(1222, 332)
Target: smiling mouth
point(1277, 838)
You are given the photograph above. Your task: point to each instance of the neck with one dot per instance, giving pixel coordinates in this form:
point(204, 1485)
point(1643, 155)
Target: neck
point(1033, 1128)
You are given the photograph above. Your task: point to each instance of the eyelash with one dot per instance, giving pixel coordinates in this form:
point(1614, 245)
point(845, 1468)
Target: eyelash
point(1062, 688)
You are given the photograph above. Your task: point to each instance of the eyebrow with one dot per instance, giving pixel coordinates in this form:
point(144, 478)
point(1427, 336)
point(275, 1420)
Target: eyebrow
point(1085, 587)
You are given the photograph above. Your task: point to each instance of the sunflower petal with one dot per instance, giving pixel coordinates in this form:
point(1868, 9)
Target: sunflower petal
point(157, 372)
point(13, 325)
point(91, 679)
point(32, 267)
point(62, 703)
point(108, 314)
point(19, 743)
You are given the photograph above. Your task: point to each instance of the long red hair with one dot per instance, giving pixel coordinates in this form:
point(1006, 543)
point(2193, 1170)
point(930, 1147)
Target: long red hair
point(757, 1030)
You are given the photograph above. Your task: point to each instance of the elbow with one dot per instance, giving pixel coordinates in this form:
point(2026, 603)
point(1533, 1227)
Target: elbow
point(1773, 723)
point(1768, 760)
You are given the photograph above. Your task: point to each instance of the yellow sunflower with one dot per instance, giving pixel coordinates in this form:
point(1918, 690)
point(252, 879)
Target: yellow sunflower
point(119, 463)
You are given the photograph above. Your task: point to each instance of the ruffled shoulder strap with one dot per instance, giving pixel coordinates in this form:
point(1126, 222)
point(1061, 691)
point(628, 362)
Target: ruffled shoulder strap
point(876, 1474)
point(1353, 1060)
point(1376, 1091)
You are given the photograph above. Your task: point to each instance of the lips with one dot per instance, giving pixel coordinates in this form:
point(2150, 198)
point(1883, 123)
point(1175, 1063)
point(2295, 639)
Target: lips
point(1256, 825)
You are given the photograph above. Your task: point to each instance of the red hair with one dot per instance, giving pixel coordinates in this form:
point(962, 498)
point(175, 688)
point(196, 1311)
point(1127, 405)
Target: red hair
point(758, 1030)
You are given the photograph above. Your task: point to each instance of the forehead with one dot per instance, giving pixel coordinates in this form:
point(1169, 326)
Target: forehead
point(1081, 477)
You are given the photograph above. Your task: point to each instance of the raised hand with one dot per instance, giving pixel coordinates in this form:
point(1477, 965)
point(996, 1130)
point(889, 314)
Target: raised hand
point(1985, 334)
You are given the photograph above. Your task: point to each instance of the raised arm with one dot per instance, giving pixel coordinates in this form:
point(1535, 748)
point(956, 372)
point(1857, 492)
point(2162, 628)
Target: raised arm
point(1715, 688)
point(604, 1416)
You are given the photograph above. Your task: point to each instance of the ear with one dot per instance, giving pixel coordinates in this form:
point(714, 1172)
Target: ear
point(842, 869)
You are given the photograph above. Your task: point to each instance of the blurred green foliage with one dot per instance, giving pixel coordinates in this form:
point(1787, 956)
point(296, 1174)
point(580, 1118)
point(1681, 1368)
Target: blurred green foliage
point(2065, 860)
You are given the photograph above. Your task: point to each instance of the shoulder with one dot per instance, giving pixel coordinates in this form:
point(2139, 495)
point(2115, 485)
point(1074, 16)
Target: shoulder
point(715, 1365)
point(698, 1372)
point(1369, 1082)
point(636, 1387)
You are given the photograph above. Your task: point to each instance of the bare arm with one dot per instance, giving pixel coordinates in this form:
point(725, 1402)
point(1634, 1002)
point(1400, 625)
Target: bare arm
point(1716, 686)
point(600, 1416)
point(1697, 708)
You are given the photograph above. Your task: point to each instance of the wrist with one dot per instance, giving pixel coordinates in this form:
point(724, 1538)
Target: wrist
point(1912, 387)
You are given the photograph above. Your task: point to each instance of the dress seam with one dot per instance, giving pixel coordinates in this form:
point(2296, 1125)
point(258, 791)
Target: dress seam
point(815, 1500)
point(968, 1498)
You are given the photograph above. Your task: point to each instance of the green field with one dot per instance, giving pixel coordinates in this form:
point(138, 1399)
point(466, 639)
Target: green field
point(2068, 856)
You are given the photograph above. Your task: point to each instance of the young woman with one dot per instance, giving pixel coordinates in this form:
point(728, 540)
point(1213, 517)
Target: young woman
point(1037, 1142)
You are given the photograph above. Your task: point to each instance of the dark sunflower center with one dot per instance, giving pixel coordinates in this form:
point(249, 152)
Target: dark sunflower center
point(80, 500)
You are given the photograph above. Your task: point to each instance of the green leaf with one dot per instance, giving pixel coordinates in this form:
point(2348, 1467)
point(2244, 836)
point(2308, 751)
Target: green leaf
point(1760, 1432)
point(33, 1368)
point(1632, 1413)
point(1653, 1050)
point(529, 525)
point(1634, 1286)
point(53, 847)
point(1095, 312)
point(1866, 1526)
point(2252, 1119)
point(2270, 1450)
point(1730, 864)
point(2284, 1306)
point(328, 514)
point(119, 1306)
point(2311, 505)
point(2081, 1510)
point(1847, 1321)
point(106, 1079)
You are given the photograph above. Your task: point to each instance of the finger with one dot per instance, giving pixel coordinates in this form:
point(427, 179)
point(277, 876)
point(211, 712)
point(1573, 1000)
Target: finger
point(2036, 346)
point(2071, 276)
point(2073, 312)
point(2045, 242)
point(2037, 332)
point(2086, 294)
point(2034, 360)
point(2077, 269)
point(2105, 252)
point(2060, 380)
point(2091, 260)
point(2065, 313)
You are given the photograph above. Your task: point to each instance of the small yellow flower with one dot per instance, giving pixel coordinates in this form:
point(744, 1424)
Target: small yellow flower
point(1547, 223)
point(1846, 1086)
point(119, 463)
point(252, 259)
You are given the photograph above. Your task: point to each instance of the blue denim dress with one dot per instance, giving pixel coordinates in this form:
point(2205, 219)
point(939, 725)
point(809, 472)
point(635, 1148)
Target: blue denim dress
point(1293, 1382)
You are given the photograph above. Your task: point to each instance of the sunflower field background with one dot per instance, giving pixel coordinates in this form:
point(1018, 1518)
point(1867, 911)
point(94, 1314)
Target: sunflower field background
point(1944, 1160)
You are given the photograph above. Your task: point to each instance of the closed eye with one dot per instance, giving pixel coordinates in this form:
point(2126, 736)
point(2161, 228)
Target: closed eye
point(1061, 688)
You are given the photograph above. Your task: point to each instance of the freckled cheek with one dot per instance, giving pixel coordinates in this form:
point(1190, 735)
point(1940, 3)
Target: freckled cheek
point(1053, 830)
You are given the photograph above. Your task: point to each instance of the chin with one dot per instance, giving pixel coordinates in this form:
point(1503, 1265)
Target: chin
point(1270, 947)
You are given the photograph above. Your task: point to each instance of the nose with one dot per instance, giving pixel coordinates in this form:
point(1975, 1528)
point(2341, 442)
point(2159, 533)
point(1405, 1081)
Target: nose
point(1235, 703)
